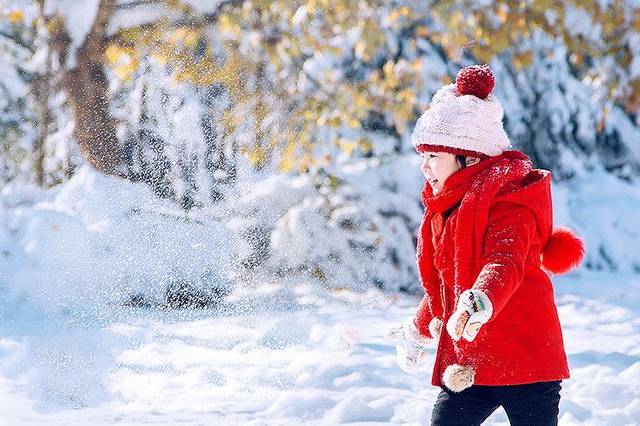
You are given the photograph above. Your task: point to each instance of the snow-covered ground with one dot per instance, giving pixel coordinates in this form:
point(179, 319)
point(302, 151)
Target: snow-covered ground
point(274, 356)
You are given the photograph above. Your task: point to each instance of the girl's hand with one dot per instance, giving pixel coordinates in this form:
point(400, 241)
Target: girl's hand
point(410, 345)
point(473, 310)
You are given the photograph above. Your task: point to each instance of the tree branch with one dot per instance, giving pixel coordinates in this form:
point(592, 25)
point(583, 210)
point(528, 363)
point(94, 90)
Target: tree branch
point(17, 41)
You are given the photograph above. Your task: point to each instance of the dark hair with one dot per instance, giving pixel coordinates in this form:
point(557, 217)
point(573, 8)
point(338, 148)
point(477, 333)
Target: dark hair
point(462, 160)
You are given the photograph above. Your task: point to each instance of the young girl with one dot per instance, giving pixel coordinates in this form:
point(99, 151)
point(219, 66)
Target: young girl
point(484, 245)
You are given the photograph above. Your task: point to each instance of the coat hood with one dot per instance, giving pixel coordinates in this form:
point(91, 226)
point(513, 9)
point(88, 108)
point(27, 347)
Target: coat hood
point(533, 191)
point(562, 250)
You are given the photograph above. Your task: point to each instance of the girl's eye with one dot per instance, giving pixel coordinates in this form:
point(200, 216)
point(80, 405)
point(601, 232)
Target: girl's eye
point(432, 156)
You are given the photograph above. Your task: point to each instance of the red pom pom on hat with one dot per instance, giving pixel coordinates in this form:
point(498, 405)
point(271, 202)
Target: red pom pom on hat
point(477, 80)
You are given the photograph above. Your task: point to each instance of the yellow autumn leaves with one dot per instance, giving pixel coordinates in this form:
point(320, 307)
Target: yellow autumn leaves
point(14, 16)
point(258, 50)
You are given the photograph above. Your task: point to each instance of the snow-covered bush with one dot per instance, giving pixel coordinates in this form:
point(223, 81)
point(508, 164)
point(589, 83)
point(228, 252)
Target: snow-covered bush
point(98, 240)
point(355, 232)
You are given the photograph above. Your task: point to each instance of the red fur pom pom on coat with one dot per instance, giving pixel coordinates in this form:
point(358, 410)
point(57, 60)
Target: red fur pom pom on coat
point(563, 252)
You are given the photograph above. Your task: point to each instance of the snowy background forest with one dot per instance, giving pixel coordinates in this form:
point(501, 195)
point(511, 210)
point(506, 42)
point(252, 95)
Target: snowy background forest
point(208, 208)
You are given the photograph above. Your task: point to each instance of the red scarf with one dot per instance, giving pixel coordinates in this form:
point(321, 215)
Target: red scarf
point(473, 187)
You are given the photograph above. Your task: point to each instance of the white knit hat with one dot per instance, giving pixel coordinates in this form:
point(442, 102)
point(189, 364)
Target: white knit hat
point(463, 117)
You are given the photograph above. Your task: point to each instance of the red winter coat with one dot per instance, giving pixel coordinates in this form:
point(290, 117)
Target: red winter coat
point(491, 228)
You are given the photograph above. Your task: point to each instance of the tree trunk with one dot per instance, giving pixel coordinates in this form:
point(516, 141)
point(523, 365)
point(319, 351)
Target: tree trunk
point(40, 88)
point(86, 87)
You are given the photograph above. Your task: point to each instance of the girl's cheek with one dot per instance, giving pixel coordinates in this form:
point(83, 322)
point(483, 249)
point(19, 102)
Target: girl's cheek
point(436, 172)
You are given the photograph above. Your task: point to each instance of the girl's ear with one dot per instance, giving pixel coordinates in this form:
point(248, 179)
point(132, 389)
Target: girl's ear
point(472, 160)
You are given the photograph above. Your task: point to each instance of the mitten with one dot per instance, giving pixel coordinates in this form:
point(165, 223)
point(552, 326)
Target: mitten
point(410, 345)
point(434, 327)
point(472, 311)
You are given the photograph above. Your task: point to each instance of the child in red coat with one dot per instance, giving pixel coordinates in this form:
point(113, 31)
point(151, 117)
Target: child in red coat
point(484, 245)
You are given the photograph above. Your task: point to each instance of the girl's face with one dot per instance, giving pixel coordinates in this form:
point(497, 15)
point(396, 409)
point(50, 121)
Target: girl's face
point(437, 167)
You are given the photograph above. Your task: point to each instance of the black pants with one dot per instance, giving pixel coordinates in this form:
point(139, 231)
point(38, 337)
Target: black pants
point(530, 404)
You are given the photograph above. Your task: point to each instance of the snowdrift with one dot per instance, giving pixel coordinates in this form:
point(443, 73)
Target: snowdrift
point(98, 240)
